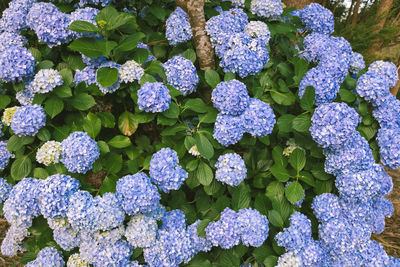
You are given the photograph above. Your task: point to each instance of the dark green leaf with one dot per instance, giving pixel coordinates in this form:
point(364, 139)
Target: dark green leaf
point(4, 101)
point(120, 20)
point(120, 141)
point(129, 42)
point(53, 106)
point(197, 105)
point(89, 47)
point(294, 192)
point(286, 99)
point(280, 173)
point(141, 55)
point(172, 112)
point(21, 168)
point(83, 101)
point(275, 218)
point(204, 173)
point(82, 26)
point(107, 119)
point(201, 228)
point(107, 76)
point(302, 123)
point(92, 125)
point(241, 197)
point(108, 185)
point(212, 78)
point(284, 123)
point(204, 146)
point(297, 159)
point(112, 163)
point(189, 54)
point(127, 123)
point(307, 101)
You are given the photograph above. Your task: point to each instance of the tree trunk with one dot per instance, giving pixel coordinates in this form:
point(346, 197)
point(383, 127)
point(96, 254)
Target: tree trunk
point(350, 11)
point(197, 19)
point(335, 6)
point(383, 11)
point(355, 13)
point(299, 4)
point(396, 88)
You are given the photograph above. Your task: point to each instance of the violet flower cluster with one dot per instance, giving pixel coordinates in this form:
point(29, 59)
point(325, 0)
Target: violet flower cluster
point(374, 86)
point(239, 113)
point(347, 220)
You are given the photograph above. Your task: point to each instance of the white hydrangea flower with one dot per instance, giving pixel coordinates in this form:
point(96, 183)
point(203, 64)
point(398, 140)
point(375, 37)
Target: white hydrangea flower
point(8, 114)
point(45, 81)
point(194, 151)
point(75, 260)
point(130, 71)
point(49, 153)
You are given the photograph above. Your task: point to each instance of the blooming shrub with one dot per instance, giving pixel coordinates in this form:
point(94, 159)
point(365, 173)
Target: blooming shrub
point(117, 149)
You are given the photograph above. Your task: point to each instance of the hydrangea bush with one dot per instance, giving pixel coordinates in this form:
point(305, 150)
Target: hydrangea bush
point(118, 149)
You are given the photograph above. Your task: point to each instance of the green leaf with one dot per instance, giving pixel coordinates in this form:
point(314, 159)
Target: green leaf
point(204, 146)
point(141, 55)
point(82, 26)
point(53, 106)
point(15, 142)
point(129, 42)
point(4, 101)
point(275, 218)
point(172, 112)
point(120, 141)
point(286, 99)
point(45, 64)
point(204, 173)
point(67, 76)
point(107, 119)
point(270, 261)
point(21, 168)
point(241, 198)
point(110, 45)
point(285, 69)
point(89, 47)
point(40, 173)
point(294, 192)
point(280, 173)
point(92, 125)
point(107, 76)
point(346, 95)
point(302, 123)
point(120, 20)
point(83, 101)
point(104, 148)
point(189, 54)
point(197, 105)
point(108, 185)
point(277, 156)
point(44, 135)
point(63, 91)
point(158, 11)
point(127, 123)
point(112, 163)
point(284, 123)
point(106, 14)
point(308, 99)
point(209, 117)
point(201, 228)
point(297, 159)
point(212, 78)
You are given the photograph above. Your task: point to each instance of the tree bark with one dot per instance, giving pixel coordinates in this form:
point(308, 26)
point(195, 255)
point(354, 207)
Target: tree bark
point(355, 13)
point(299, 4)
point(197, 19)
point(382, 14)
point(350, 11)
point(396, 88)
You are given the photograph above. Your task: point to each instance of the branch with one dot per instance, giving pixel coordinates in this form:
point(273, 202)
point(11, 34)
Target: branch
point(197, 19)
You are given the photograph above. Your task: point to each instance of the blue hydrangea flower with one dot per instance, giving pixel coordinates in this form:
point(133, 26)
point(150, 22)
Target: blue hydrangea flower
point(199, 243)
point(94, 62)
point(326, 206)
point(165, 171)
point(253, 227)
point(373, 87)
point(157, 213)
point(16, 63)
point(13, 241)
point(116, 85)
point(49, 24)
point(14, 17)
point(258, 118)
point(178, 28)
point(54, 195)
point(130, 71)
point(387, 113)
point(137, 194)
point(258, 29)
point(87, 75)
point(228, 129)
point(45, 81)
point(385, 69)
point(315, 255)
point(10, 39)
point(64, 235)
point(314, 46)
point(174, 219)
point(389, 146)
point(48, 256)
point(5, 189)
point(231, 169)
point(94, 2)
point(226, 231)
point(270, 9)
point(5, 155)
point(79, 152)
point(25, 96)
point(171, 248)
point(357, 63)
point(333, 124)
point(244, 55)
point(355, 156)
point(153, 97)
point(317, 18)
point(141, 231)
point(237, 3)
point(86, 14)
point(326, 87)
point(231, 97)
point(28, 120)
point(22, 204)
point(181, 74)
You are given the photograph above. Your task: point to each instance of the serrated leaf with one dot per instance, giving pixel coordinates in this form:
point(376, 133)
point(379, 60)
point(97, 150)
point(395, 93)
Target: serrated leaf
point(280, 173)
point(297, 159)
point(197, 105)
point(308, 99)
point(4, 101)
point(89, 47)
point(284, 123)
point(204, 174)
point(302, 123)
point(112, 163)
point(53, 106)
point(127, 123)
point(21, 168)
point(92, 125)
point(204, 146)
point(201, 228)
point(275, 218)
point(294, 192)
point(241, 198)
point(83, 101)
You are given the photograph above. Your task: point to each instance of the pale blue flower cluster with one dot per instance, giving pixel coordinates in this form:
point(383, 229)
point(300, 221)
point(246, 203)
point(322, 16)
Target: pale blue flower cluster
point(231, 169)
point(79, 152)
point(5, 189)
point(95, 2)
point(153, 97)
point(45, 81)
point(141, 231)
point(270, 9)
point(181, 74)
point(258, 29)
point(137, 194)
point(14, 17)
point(54, 195)
point(25, 97)
point(347, 220)
point(228, 129)
point(357, 63)
point(230, 98)
point(247, 226)
point(65, 236)
point(258, 118)
point(165, 170)
point(5, 155)
point(374, 86)
point(16, 63)
point(178, 28)
point(28, 120)
point(10, 39)
point(174, 219)
point(317, 18)
point(48, 256)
